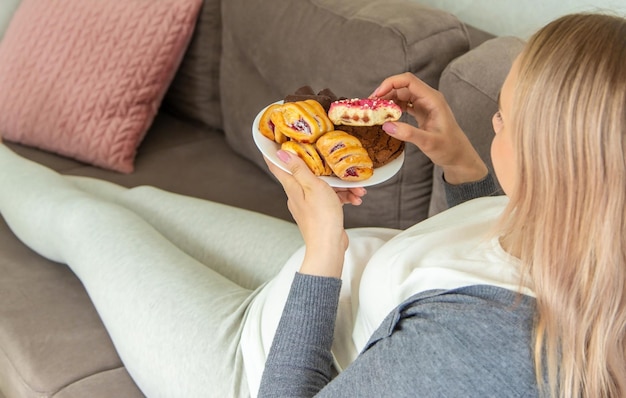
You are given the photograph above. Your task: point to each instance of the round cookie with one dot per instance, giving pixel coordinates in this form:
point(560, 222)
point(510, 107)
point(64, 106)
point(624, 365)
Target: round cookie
point(381, 147)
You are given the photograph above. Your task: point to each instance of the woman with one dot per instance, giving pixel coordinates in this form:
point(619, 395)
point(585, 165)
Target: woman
point(560, 156)
point(450, 307)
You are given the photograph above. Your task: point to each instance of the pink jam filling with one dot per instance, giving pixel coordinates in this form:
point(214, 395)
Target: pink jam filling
point(338, 146)
point(302, 126)
point(351, 172)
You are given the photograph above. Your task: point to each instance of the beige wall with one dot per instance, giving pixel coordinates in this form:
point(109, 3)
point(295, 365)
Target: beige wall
point(520, 18)
point(500, 17)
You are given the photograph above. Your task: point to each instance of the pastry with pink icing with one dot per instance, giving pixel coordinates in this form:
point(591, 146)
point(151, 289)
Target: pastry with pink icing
point(363, 112)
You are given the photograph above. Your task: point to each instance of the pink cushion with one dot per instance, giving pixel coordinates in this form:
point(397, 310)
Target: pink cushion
point(85, 78)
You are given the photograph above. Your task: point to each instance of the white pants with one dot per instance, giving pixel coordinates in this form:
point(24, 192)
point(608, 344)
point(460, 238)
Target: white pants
point(171, 276)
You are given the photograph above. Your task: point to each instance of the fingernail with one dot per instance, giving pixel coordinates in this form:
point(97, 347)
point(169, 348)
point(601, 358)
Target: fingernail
point(375, 93)
point(283, 155)
point(390, 128)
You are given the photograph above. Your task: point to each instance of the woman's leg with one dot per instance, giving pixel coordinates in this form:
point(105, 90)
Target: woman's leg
point(175, 322)
point(246, 247)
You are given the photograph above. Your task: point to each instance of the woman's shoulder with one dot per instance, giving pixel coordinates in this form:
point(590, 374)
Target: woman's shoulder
point(475, 338)
point(478, 312)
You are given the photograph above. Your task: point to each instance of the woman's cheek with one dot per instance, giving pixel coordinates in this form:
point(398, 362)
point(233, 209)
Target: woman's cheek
point(503, 159)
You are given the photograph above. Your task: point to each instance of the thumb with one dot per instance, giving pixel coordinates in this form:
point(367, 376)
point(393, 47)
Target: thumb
point(296, 166)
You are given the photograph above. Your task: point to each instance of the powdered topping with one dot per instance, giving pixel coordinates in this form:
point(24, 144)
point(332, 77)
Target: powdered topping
point(302, 126)
point(363, 111)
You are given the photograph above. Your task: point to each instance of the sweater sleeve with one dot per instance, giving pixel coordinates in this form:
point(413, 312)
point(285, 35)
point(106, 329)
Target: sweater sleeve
point(299, 363)
point(457, 194)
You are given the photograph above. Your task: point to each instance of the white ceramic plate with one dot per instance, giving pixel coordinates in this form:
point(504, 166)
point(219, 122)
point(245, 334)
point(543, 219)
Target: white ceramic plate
point(269, 148)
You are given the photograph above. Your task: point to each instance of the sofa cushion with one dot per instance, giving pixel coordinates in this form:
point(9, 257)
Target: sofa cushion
point(271, 48)
point(50, 334)
point(84, 78)
point(194, 92)
point(106, 384)
point(471, 84)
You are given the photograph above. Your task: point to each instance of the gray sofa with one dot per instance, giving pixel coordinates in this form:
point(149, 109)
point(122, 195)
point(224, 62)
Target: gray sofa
point(244, 54)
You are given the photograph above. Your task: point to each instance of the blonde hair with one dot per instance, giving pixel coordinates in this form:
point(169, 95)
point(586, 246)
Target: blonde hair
point(566, 219)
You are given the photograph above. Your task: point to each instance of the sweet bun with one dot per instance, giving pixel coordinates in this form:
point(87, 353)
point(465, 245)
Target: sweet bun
point(267, 127)
point(345, 155)
point(309, 154)
point(302, 121)
point(363, 112)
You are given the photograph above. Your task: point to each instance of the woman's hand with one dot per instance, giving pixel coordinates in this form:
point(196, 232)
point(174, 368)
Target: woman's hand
point(438, 136)
point(318, 210)
point(351, 196)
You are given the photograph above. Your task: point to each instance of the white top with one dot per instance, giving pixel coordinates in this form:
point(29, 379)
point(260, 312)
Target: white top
point(384, 267)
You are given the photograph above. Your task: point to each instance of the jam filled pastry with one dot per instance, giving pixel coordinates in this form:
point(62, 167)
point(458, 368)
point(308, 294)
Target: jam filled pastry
point(267, 127)
point(302, 121)
point(345, 155)
point(309, 154)
point(363, 112)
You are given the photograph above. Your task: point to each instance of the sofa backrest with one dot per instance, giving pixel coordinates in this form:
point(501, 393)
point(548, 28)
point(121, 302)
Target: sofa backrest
point(246, 54)
point(194, 93)
point(272, 47)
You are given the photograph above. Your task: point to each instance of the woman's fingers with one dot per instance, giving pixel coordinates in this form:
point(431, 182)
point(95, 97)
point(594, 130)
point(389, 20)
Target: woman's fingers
point(286, 179)
point(405, 88)
point(296, 166)
point(353, 196)
point(438, 146)
point(299, 179)
point(415, 97)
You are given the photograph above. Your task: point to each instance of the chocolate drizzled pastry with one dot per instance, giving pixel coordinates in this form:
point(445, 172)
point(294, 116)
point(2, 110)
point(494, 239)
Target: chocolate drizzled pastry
point(324, 97)
point(381, 147)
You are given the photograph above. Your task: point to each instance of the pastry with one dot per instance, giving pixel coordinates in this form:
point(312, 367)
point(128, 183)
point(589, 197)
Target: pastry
point(309, 154)
point(347, 133)
point(302, 121)
point(267, 127)
point(363, 112)
point(345, 155)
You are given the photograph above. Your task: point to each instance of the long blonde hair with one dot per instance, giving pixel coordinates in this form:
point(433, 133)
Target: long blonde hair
point(566, 219)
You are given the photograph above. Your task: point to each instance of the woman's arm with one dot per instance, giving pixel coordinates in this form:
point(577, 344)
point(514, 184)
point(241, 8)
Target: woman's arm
point(457, 194)
point(300, 362)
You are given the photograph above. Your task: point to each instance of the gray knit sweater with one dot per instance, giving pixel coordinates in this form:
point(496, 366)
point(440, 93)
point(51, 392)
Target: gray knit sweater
point(473, 341)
